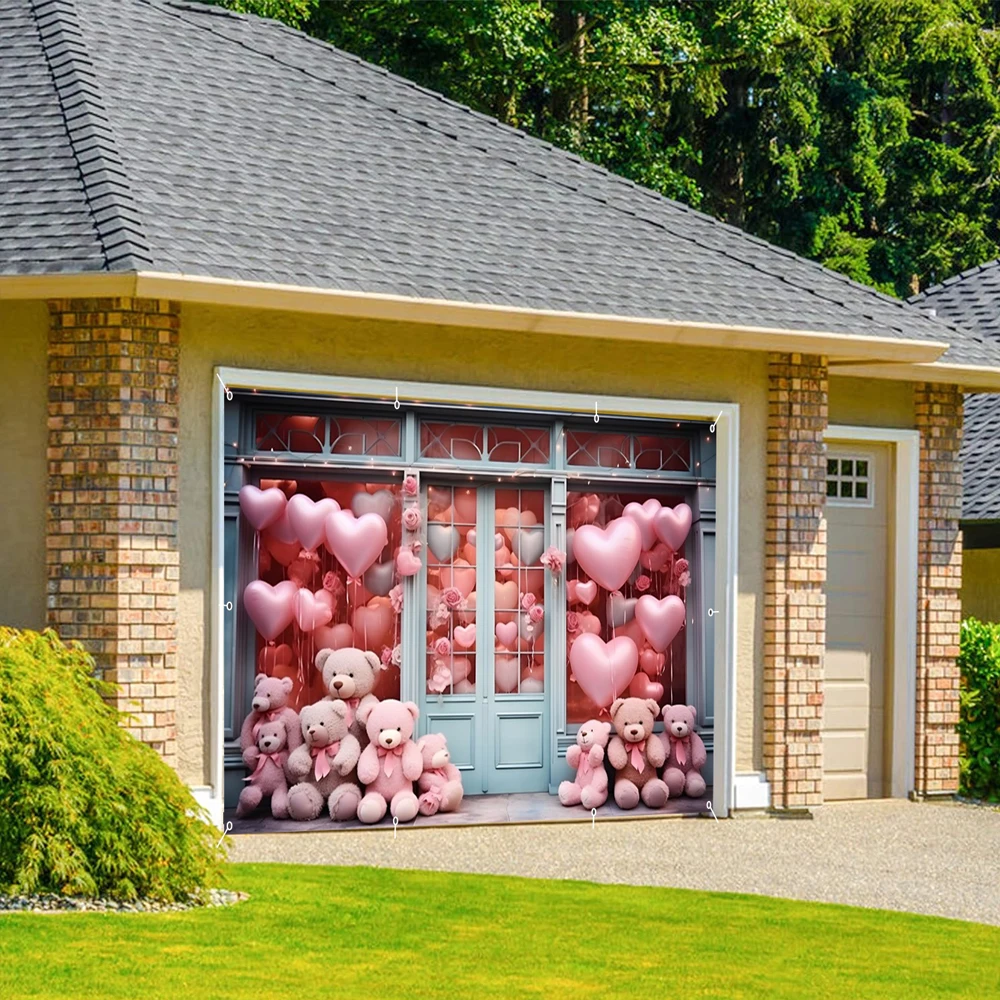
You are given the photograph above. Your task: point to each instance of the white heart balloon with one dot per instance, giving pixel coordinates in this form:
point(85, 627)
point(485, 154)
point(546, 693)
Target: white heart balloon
point(381, 503)
point(528, 544)
point(442, 540)
point(620, 609)
point(378, 579)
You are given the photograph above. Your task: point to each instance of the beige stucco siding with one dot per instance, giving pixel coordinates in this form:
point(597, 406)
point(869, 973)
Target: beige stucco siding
point(981, 584)
point(24, 426)
point(867, 402)
point(213, 336)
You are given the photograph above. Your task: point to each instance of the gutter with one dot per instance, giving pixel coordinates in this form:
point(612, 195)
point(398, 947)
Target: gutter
point(442, 312)
point(985, 378)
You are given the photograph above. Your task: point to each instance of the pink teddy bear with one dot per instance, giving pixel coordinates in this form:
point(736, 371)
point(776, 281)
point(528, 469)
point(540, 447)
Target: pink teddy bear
point(268, 759)
point(441, 782)
point(270, 702)
point(686, 754)
point(391, 762)
point(590, 787)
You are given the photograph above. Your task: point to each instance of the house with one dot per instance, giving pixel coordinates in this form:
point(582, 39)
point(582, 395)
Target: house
point(233, 256)
point(972, 299)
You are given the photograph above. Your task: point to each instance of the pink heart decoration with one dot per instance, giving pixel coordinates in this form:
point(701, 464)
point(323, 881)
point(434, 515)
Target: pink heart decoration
point(284, 553)
point(504, 562)
point(407, 564)
point(459, 574)
point(608, 554)
point(507, 520)
point(271, 609)
point(470, 538)
point(528, 544)
point(282, 530)
point(506, 673)
point(465, 636)
point(469, 554)
point(442, 540)
point(589, 623)
point(603, 669)
point(656, 558)
point(271, 657)
point(308, 519)
point(356, 542)
point(505, 598)
point(302, 571)
point(382, 503)
point(498, 541)
point(378, 579)
point(338, 637)
point(642, 687)
point(620, 610)
point(262, 507)
point(673, 524)
point(644, 515)
point(660, 619)
point(464, 503)
point(583, 508)
point(373, 624)
point(651, 662)
point(506, 633)
point(578, 592)
point(311, 611)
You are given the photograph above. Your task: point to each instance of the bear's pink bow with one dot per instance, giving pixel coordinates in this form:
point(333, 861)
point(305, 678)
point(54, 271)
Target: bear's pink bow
point(679, 743)
point(388, 753)
point(323, 756)
point(638, 756)
point(265, 717)
point(352, 707)
point(586, 769)
point(262, 760)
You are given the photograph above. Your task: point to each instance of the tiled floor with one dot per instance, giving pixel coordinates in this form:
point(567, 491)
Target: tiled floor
point(479, 810)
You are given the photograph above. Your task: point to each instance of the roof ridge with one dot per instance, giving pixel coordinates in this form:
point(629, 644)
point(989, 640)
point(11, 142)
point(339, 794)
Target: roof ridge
point(948, 282)
point(91, 137)
point(183, 7)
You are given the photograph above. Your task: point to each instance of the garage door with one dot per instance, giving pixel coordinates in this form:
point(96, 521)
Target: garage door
point(858, 515)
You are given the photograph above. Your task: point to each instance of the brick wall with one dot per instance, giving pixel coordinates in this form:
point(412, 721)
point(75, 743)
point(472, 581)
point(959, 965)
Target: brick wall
point(939, 581)
point(795, 577)
point(113, 565)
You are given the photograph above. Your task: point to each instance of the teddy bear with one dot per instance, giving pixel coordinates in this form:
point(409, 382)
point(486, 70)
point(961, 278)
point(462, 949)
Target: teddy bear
point(590, 787)
point(635, 753)
point(685, 751)
point(268, 759)
point(391, 762)
point(321, 767)
point(270, 702)
point(350, 674)
point(440, 783)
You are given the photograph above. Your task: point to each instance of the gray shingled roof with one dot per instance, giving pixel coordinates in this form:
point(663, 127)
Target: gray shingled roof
point(972, 299)
point(164, 135)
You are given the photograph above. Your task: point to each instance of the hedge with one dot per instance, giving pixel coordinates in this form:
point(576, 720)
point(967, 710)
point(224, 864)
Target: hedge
point(979, 725)
point(85, 808)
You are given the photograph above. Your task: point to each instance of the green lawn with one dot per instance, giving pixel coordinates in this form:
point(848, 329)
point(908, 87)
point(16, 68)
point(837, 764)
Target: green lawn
point(341, 933)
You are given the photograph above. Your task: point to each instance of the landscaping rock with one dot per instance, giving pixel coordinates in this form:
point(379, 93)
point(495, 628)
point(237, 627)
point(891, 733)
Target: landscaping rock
point(48, 903)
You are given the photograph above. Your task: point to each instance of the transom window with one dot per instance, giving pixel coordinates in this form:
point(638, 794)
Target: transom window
point(849, 481)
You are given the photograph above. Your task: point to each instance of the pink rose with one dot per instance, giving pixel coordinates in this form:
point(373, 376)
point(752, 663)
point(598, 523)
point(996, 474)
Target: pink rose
point(680, 566)
point(397, 655)
point(536, 613)
point(452, 597)
point(411, 518)
point(396, 598)
point(443, 646)
point(439, 616)
point(386, 656)
point(410, 486)
point(684, 579)
point(527, 600)
point(554, 559)
point(642, 584)
point(572, 622)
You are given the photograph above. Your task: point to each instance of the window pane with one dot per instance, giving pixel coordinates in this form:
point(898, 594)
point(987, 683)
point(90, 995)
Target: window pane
point(623, 451)
point(831, 487)
point(861, 467)
point(282, 432)
point(847, 467)
point(353, 436)
point(846, 488)
point(831, 466)
point(861, 490)
point(459, 441)
point(519, 445)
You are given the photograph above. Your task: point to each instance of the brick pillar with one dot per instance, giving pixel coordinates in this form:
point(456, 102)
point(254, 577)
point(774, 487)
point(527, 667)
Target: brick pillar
point(113, 563)
point(795, 579)
point(939, 580)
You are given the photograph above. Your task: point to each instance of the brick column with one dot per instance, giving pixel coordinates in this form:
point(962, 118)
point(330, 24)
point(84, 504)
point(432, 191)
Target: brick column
point(113, 564)
point(939, 580)
point(795, 579)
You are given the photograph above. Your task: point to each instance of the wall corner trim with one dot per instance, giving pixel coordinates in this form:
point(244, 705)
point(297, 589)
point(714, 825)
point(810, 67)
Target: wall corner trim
point(751, 790)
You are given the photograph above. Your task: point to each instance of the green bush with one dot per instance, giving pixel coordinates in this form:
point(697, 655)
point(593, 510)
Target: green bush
point(86, 809)
point(979, 725)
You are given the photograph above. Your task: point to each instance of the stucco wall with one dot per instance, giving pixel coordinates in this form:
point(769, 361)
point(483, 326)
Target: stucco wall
point(260, 339)
point(868, 402)
point(981, 584)
point(24, 422)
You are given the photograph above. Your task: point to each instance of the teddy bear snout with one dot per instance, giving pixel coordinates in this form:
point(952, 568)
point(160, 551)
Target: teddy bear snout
point(679, 728)
point(389, 738)
point(635, 731)
point(261, 704)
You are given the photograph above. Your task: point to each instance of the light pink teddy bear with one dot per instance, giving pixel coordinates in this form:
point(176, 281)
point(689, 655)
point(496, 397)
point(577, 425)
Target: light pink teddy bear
point(686, 754)
point(268, 759)
point(270, 702)
point(590, 787)
point(390, 763)
point(441, 782)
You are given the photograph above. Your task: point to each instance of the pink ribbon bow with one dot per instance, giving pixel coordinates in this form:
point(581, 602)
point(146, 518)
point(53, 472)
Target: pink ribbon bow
point(638, 756)
point(388, 753)
point(352, 707)
point(322, 766)
point(679, 743)
point(265, 717)
point(261, 760)
point(586, 769)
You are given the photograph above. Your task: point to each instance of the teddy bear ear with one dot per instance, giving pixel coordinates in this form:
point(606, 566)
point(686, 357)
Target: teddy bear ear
point(693, 711)
point(287, 684)
point(339, 707)
point(364, 711)
point(421, 743)
point(653, 706)
point(666, 711)
point(373, 661)
point(257, 680)
point(606, 726)
point(321, 657)
point(615, 705)
point(412, 709)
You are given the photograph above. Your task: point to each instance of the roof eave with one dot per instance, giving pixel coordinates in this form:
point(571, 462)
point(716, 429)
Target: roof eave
point(983, 378)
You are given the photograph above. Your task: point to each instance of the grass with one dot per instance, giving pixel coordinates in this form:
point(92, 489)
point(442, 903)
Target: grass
point(369, 932)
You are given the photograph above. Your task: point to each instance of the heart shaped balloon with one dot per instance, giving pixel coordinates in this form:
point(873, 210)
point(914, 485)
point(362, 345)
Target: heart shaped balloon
point(312, 609)
point(262, 507)
point(308, 519)
point(642, 687)
point(608, 554)
point(338, 637)
point(509, 519)
point(644, 516)
point(465, 636)
point(271, 609)
point(459, 574)
point(505, 600)
point(381, 503)
point(528, 544)
point(442, 540)
point(506, 673)
point(407, 564)
point(656, 558)
point(506, 633)
point(589, 623)
point(284, 553)
point(356, 541)
point(373, 624)
point(468, 614)
point(578, 592)
point(603, 669)
point(302, 571)
point(651, 662)
point(673, 524)
point(620, 609)
point(282, 530)
point(271, 657)
point(464, 502)
point(378, 578)
point(660, 619)
point(582, 508)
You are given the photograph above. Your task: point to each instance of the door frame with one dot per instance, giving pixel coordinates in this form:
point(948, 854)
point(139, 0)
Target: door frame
point(905, 448)
point(725, 424)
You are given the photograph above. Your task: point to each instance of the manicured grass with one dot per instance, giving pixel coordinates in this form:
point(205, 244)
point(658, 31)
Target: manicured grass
point(341, 933)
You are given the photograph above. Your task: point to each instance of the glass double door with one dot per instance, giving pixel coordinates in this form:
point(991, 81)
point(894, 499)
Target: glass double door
point(485, 602)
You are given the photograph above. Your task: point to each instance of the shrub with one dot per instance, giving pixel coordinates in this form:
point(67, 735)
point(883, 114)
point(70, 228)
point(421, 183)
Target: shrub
point(86, 809)
point(979, 725)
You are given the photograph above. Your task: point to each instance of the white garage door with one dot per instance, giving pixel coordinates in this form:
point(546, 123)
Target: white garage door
point(858, 515)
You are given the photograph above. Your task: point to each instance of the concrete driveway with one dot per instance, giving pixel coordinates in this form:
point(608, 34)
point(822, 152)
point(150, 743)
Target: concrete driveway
point(934, 858)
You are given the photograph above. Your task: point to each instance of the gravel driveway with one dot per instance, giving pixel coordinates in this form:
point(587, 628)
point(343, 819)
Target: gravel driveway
point(940, 858)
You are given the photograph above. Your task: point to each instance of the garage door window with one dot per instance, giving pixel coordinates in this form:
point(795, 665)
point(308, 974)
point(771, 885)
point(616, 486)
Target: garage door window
point(849, 481)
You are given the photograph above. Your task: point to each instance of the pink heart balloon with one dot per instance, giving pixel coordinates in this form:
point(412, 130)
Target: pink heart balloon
point(644, 515)
point(608, 554)
point(660, 619)
point(656, 558)
point(506, 632)
point(338, 637)
point(284, 553)
point(642, 687)
point(506, 673)
point(311, 611)
point(470, 538)
point(632, 629)
point(373, 624)
point(465, 636)
point(465, 506)
point(505, 599)
point(308, 519)
point(673, 524)
point(469, 554)
point(505, 563)
point(283, 531)
point(302, 571)
point(356, 542)
point(651, 662)
point(407, 564)
point(583, 508)
point(589, 623)
point(603, 669)
point(271, 657)
point(507, 520)
point(271, 609)
point(381, 503)
point(467, 616)
point(498, 541)
point(459, 574)
point(578, 592)
point(262, 507)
